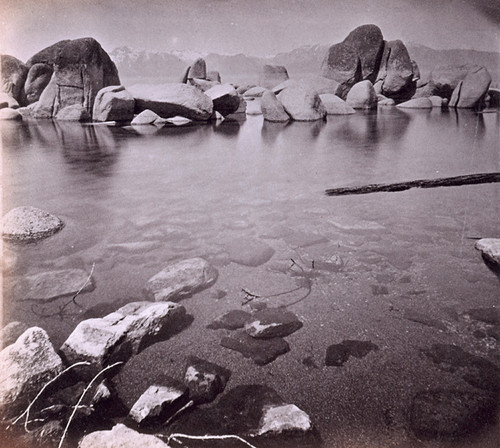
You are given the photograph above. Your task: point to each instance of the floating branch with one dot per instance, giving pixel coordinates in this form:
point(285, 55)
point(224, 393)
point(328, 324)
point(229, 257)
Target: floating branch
point(469, 179)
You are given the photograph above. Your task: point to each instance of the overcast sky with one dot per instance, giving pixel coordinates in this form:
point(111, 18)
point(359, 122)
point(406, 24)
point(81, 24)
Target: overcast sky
point(254, 27)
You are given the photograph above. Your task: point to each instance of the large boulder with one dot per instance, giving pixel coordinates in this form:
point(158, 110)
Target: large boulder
point(473, 88)
point(39, 76)
point(318, 83)
point(302, 104)
point(397, 69)
point(272, 109)
point(198, 69)
point(119, 335)
point(113, 103)
point(356, 58)
point(335, 105)
point(120, 437)
point(25, 367)
point(444, 79)
point(362, 96)
point(170, 100)
point(81, 68)
point(13, 76)
point(181, 279)
point(225, 98)
point(272, 75)
point(29, 224)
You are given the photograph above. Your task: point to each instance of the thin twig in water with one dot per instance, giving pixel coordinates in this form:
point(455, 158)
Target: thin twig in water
point(28, 409)
point(176, 436)
point(186, 406)
point(81, 399)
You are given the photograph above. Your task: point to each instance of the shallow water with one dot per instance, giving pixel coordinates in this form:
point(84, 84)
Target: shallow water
point(202, 189)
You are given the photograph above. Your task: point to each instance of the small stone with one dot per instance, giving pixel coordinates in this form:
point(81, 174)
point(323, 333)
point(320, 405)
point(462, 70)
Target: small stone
point(249, 252)
point(181, 279)
point(230, 321)
point(286, 418)
point(145, 117)
point(261, 351)
point(272, 322)
point(338, 354)
point(30, 224)
point(205, 380)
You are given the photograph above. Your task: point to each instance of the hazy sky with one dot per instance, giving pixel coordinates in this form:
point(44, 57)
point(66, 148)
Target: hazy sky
point(255, 27)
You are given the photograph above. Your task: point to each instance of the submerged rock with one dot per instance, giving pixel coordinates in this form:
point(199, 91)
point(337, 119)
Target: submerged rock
point(249, 251)
point(181, 279)
point(119, 335)
point(271, 323)
point(205, 380)
point(261, 351)
point(230, 321)
point(302, 104)
point(74, 112)
point(30, 224)
point(54, 284)
point(120, 437)
point(25, 367)
point(445, 414)
point(416, 103)
point(338, 354)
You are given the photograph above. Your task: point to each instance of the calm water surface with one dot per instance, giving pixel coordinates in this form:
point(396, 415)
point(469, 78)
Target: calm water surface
point(202, 190)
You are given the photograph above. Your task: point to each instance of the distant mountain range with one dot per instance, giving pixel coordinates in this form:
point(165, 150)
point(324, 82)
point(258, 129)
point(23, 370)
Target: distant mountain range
point(158, 67)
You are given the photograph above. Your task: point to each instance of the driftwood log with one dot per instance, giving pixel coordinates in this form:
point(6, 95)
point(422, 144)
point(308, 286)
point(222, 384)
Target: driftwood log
point(469, 179)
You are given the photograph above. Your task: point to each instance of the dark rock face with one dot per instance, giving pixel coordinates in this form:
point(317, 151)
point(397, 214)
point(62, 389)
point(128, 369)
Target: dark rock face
point(198, 69)
point(13, 76)
point(342, 64)
point(272, 75)
point(81, 69)
point(38, 77)
point(225, 98)
point(398, 71)
point(338, 354)
point(261, 351)
point(449, 414)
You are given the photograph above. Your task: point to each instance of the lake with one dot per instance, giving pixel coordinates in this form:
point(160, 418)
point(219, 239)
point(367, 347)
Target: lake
point(397, 269)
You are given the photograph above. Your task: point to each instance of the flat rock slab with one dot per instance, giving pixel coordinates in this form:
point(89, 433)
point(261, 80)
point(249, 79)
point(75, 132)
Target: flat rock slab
point(158, 403)
point(261, 351)
point(271, 323)
point(230, 321)
point(119, 335)
point(249, 251)
point(443, 414)
point(205, 379)
point(25, 367)
point(181, 279)
point(54, 284)
point(29, 224)
point(338, 354)
point(121, 437)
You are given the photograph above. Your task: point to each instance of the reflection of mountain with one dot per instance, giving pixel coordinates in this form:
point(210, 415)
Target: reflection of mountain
point(157, 67)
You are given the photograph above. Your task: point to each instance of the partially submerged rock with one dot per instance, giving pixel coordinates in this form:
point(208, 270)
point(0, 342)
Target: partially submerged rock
point(127, 331)
point(261, 351)
point(181, 279)
point(205, 380)
point(338, 354)
point(225, 98)
point(335, 105)
point(249, 251)
point(362, 96)
point(230, 321)
point(53, 284)
point(271, 323)
point(490, 250)
point(272, 109)
point(74, 112)
point(145, 117)
point(30, 224)
point(120, 437)
point(113, 103)
point(25, 367)
point(416, 103)
point(302, 104)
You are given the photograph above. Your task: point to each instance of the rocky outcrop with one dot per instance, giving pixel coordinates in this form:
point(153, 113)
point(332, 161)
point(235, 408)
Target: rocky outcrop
point(29, 224)
point(81, 68)
point(225, 98)
point(362, 96)
point(119, 335)
point(170, 100)
point(205, 380)
point(13, 76)
point(302, 104)
point(25, 367)
point(121, 437)
point(181, 279)
point(53, 284)
point(272, 109)
point(75, 112)
point(416, 103)
point(397, 72)
point(113, 103)
point(335, 105)
point(38, 78)
point(272, 75)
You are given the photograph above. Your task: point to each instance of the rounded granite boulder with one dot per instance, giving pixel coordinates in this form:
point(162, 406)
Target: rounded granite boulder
point(30, 224)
